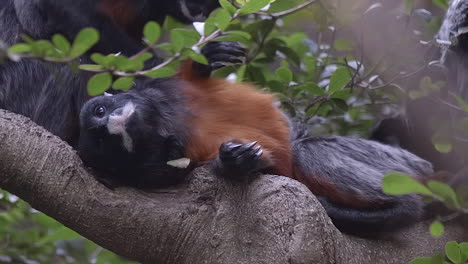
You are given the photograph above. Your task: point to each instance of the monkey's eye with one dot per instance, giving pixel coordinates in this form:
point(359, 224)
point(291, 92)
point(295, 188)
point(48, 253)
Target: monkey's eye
point(99, 111)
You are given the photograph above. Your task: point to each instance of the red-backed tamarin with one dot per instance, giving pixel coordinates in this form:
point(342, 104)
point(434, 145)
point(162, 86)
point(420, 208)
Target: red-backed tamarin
point(133, 137)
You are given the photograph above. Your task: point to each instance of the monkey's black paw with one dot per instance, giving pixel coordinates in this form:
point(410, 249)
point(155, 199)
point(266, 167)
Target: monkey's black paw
point(220, 54)
point(224, 53)
point(237, 160)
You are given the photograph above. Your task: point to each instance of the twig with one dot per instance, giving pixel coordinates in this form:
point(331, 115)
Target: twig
point(289, 11)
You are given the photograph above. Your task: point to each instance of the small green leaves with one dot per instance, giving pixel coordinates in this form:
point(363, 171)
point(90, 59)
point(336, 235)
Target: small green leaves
point(339, 79)
point(20, 48)
point(398, 184)
point(253, 6)
point(453, 252)
point(161, 73)
point(284, 74)
point(445, 192)
point(226, 5)
point(195, 56)
point(61, 43)
point(90, 67)
point(152, 32)
point(181, 38)
point(436, 229)
point(99, 83)
point(123, 83)
point(85, 39)
point(443, 147)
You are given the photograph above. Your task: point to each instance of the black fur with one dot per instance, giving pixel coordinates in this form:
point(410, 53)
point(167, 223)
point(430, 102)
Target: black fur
point(50, 94)
point(356, 167)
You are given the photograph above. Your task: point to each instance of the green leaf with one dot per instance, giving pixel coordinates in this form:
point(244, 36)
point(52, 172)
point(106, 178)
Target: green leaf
point(284, 74)
point(342, 94)
point(339, 104)
point(123, 83)
point(444, 191)
point(152, 32)
point(200, 58)
point(436, 229)
point(253, 6)
point(20, 48)
point(275, 86)
point(181, 38)
point(90, 67)
point(464, 250)
point(241, 72)
point(85, 39)
point(99, 83)
point(61, 43)
point(312, 88)
point(453, 252)
point(222, 19)
point(161, 73)
point(443, 148)
point(142, 58)
point(43, 48)
point(61, 233)
point(227, 6)
point(339, 79)
point(398, 184)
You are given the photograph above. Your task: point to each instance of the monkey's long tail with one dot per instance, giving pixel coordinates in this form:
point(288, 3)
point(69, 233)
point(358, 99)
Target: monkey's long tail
point(346, 173)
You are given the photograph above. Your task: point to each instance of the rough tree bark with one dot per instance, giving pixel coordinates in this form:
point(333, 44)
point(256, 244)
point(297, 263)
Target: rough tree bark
point(270, 219)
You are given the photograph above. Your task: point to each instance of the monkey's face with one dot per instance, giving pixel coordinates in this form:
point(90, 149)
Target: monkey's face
point(105, 140)
point(131, 135)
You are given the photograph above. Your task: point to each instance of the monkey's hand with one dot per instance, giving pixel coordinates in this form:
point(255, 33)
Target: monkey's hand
point(220, 54)
point(238, 160)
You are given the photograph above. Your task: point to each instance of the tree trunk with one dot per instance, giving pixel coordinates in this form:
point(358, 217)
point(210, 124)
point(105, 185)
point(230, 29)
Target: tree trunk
point(271, 219)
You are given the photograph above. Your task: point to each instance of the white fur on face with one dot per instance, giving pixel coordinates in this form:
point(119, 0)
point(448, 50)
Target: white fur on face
point(116, 125)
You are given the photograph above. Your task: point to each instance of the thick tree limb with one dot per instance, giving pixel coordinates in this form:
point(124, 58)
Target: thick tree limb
point(270, 220)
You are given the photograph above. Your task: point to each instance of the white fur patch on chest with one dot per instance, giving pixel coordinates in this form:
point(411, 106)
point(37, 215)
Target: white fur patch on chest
point(116, 125)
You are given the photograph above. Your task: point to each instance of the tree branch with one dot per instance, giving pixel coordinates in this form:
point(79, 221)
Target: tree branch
point(271, 219)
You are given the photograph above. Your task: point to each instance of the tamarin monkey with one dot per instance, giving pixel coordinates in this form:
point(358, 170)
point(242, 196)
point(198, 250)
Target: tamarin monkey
point(135, 137)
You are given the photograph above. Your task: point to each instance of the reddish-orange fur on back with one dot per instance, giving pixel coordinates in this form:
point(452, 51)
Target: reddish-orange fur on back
point(224, 111)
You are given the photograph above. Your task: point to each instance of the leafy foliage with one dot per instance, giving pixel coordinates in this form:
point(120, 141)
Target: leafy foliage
point(29, 237)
